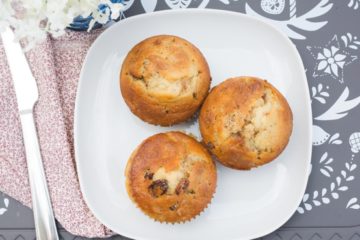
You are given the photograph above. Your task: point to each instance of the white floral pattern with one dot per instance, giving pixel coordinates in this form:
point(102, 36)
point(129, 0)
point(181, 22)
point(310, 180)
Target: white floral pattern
point(350, 41)
point(320, 93)
point(330, 60)
point(333, 57)
point(326, 194)
point(341, 182)
point(325, 167)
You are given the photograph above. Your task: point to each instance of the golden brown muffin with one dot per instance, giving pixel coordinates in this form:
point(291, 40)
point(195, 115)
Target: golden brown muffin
point(164, 79)
point(245, 122)
point(171, 177)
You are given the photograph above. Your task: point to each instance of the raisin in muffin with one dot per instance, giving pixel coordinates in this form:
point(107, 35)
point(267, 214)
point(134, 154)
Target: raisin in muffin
point(171, 177)
point(164, 80)
point(245, 122)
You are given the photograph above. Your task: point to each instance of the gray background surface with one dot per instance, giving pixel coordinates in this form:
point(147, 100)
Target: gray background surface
point(336, 213)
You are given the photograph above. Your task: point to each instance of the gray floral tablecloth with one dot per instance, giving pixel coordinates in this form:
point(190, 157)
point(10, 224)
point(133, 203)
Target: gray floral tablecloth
point(327, 35)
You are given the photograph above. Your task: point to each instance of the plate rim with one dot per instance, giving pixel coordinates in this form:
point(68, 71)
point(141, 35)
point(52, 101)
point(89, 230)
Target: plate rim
point(179, 11)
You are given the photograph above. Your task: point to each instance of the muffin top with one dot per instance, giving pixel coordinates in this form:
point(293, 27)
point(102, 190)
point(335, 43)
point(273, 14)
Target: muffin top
point(245, 122)
point(164, 79)
point(171, 177)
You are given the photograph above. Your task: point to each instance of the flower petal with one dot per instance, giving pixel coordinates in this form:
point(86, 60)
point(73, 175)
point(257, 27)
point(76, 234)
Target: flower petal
point(320, 86)
point(2, 211)
point(313, 91)
point(320, 99)
point(316, 194)
point(339, 57)
point(307, 206)
point(334, 69)
point(326, 200)
point(322, 65)
point(341, 64)
point(320, 56)
point(327, 70)
point(326, 173)
point(335, 195)
point(325, 94)
point(327, 53)
point(305, 197)
point(300, 210)
point(356, 206)
point(334, 50)
point(325, 155)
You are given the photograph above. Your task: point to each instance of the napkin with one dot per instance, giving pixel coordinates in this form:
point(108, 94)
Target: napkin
point(55, 64)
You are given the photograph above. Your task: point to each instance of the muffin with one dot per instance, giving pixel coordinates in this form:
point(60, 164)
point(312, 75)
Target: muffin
point(245, 122)
point(171, 177)
point(164, 80)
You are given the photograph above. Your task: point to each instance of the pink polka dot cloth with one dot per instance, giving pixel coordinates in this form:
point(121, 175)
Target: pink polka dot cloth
point(56, 65)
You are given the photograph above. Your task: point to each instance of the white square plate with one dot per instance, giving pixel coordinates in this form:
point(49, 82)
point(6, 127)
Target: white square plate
point(247, 204)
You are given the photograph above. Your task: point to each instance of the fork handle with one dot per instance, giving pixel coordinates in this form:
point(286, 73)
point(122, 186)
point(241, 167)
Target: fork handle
point(43, 215)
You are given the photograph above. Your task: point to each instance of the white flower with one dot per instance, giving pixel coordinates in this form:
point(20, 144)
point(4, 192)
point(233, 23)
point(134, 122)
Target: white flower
point(115, 10)
point(35, 18)
point(331, 61)
point(100, 17)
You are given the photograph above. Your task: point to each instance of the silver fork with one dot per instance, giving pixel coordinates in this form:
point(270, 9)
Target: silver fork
point(27, 95)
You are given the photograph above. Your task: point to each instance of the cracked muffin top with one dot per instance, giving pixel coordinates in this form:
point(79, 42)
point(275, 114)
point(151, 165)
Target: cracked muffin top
point(245, 122)
point(171, 177)
point(164, 79)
